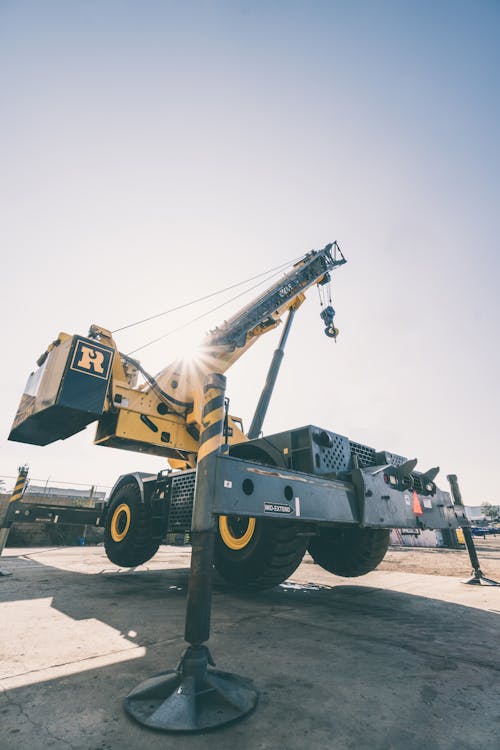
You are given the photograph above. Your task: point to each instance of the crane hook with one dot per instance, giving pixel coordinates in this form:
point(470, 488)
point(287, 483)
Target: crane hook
point(327, 315)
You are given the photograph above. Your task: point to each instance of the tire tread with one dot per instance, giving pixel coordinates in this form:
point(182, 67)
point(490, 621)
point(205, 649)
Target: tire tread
point(349, 551)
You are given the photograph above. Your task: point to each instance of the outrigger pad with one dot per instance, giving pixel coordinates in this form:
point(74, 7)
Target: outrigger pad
point(479, 579)
point(193, 698)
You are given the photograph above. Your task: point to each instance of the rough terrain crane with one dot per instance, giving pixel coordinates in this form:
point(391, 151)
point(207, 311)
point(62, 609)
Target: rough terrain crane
point(276, 496)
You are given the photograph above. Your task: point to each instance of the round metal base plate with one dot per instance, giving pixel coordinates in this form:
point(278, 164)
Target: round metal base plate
point(170, 702)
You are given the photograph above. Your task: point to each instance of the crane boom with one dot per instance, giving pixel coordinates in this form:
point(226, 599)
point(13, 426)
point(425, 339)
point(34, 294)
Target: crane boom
point(276, 300)
point(162, 416)
point(181, 380)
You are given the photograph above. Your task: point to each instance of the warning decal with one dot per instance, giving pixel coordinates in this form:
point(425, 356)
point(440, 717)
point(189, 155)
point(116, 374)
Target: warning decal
point(417, 508)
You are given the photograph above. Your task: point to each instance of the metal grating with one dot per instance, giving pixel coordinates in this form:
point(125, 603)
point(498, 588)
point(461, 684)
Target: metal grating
point(418, 484)
point(366, 455)
point(336, 458)
point(181, 503)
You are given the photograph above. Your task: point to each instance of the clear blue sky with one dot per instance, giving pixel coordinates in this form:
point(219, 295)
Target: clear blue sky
point(154, 151)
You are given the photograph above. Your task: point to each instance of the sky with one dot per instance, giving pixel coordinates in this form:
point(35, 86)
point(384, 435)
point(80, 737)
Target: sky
point(154, 152)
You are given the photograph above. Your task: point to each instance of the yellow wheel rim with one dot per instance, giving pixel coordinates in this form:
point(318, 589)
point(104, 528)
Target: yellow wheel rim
point(120, 522)
point(236, 532)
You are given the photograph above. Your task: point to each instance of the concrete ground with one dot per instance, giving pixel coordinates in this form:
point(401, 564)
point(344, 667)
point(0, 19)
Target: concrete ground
point(389, 661)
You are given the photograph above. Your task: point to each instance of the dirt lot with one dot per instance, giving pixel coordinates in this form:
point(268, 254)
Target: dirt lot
point(444, 562)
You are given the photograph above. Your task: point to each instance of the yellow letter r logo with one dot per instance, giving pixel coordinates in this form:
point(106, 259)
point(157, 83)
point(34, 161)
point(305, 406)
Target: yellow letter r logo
point(91, 359)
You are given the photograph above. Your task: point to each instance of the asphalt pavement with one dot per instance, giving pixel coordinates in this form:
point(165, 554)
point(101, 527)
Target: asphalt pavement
point(389, 661)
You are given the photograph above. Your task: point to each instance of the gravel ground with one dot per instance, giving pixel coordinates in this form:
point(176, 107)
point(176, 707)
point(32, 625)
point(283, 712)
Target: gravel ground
point(444, 562)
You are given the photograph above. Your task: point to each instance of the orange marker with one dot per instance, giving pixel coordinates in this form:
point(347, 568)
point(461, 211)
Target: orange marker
point(417, 508)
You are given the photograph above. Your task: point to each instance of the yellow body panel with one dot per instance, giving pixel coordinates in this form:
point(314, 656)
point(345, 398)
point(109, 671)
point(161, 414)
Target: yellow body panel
point(127, 427)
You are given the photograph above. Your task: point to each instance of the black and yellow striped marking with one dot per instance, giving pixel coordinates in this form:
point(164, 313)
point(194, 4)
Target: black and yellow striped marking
point(213, 422)
point(214, 403)
point(19, 488)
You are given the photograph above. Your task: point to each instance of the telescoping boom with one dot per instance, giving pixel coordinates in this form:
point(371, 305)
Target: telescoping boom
point(83, 379)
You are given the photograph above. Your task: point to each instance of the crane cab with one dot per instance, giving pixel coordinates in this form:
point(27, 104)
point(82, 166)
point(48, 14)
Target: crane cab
point(66, 393)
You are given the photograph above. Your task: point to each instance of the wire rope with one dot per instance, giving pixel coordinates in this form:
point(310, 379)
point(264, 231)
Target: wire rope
point(207, 296)
point(212, 309)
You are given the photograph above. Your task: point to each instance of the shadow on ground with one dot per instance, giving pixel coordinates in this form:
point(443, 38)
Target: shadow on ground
point(340, 667)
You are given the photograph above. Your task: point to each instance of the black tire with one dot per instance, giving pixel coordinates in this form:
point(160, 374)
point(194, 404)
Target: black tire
point(349, 551)
point(273, 553)
point(127, 531)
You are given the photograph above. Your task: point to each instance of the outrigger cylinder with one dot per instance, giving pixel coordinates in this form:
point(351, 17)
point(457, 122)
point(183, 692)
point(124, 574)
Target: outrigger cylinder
point(17, 493)
point(478, 577)
point(195, 698)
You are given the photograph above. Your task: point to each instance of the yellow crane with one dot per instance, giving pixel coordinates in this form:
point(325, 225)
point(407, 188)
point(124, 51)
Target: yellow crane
point(80, 380)
point(275, 496)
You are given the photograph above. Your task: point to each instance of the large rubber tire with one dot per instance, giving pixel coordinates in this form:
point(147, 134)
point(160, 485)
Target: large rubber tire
point(259, 553)
point(349, 551)
point(272, 553)
point(127, 530)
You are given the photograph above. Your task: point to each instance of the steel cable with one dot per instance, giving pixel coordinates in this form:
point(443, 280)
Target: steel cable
point(213, 309)
point(207, 296)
